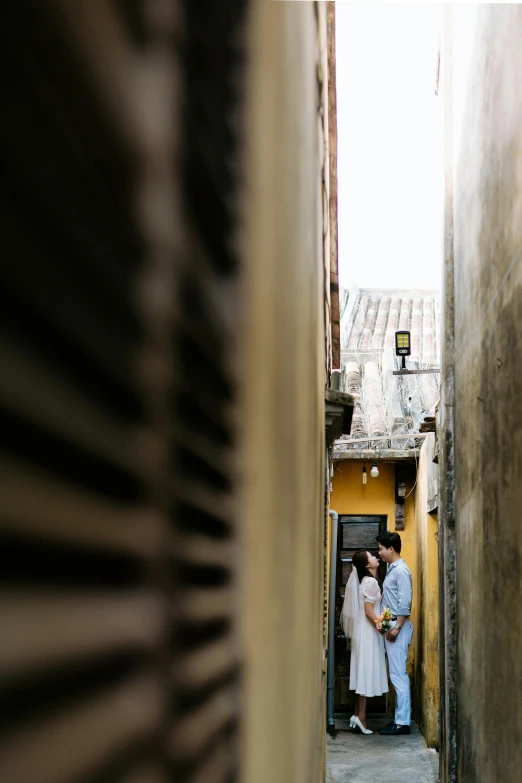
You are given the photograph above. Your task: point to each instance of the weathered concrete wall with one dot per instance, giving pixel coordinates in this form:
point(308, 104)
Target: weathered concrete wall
point(487, 215)
point(426, 629)
point(285, 367)
point(332, 154)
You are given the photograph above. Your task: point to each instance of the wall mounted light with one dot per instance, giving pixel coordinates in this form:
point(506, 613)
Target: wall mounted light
point(364, 476)
point(375, 470)
point(401, 489)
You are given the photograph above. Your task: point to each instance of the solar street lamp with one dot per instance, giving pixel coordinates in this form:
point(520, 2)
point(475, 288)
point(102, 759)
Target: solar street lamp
point(403, 346)
point(403, 349)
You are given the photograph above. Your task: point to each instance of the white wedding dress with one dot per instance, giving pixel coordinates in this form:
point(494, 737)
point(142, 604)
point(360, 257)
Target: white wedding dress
point(367, 665)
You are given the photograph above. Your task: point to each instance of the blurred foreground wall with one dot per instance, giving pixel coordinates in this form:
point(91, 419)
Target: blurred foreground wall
point(164, 350)
point(481, 446)
point(286, 365)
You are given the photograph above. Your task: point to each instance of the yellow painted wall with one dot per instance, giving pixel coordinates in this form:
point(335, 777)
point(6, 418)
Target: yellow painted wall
point(350, 496)
point(426, 670)
point(420, 550)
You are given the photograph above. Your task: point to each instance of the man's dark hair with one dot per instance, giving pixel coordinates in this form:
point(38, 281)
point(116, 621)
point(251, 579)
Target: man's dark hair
point(389, 540)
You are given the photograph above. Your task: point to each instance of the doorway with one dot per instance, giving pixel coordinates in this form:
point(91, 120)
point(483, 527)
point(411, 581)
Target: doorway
point(355, 532)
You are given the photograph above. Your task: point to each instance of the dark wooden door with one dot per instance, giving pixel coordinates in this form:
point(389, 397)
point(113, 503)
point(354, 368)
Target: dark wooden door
point(355, 532)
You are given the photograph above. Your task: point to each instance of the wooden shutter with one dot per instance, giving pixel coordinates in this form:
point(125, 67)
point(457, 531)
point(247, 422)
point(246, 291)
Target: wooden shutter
point(118, 656)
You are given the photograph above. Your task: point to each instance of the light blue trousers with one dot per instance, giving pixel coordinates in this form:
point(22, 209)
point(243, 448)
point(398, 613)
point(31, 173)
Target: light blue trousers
point(397, 653)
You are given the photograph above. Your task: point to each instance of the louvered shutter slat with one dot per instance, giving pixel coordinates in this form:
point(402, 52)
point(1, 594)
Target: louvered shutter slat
point(97, 30)
point(56, 629)
point(211, 409)
point(213, 661)
point(217, 768)
point(198, 496)
point(217, 456)
point(54, 511)
point(203, 605)
point(198, 727)
point(200, 550)
point(149, 773)
point(74, 744)
point(43, 398)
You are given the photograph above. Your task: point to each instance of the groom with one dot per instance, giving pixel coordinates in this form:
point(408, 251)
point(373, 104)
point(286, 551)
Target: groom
point(397, 595)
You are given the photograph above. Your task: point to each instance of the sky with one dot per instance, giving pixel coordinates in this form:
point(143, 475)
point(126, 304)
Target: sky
point(389, 145)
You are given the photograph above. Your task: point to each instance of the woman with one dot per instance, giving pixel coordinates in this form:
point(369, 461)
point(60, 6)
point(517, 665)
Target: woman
point(362, 606)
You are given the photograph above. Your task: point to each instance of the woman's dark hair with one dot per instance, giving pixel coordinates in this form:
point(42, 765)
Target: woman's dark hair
point(390, 540)
point(360, 562)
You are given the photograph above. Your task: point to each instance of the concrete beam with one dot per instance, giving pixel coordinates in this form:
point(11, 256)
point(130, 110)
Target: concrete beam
point(371, 454)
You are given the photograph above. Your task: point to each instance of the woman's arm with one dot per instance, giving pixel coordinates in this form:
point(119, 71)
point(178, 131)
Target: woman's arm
point(369, 611)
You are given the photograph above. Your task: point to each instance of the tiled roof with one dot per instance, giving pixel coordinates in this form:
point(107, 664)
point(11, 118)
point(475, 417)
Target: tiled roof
point(388, 404)
point(372, 317)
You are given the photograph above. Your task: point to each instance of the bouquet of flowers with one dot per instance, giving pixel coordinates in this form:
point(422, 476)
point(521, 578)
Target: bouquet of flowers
point(384, 621)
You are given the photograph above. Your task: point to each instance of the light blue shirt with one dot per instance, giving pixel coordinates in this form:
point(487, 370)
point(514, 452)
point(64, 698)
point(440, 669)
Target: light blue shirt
point(397, 590)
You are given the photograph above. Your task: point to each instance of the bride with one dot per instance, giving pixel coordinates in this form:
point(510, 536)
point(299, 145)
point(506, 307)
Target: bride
point(362, 606)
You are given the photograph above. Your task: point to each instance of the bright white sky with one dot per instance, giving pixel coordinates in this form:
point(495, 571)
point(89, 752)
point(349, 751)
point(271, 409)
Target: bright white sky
point(390, 145)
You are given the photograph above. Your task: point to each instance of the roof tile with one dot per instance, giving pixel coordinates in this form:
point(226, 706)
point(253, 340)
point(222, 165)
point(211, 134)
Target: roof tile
point(385, 404)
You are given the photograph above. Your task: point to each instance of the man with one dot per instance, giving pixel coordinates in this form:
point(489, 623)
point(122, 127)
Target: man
point(397, 595)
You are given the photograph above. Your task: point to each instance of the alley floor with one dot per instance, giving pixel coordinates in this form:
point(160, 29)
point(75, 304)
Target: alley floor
point(354, 758)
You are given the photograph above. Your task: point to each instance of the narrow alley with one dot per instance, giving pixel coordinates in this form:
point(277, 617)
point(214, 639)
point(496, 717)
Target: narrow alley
point(260, 420)
point(353, 758)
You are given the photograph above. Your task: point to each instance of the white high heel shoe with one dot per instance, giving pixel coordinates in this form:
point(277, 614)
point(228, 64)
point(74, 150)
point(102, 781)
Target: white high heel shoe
point(356, 723)
point(352, 724)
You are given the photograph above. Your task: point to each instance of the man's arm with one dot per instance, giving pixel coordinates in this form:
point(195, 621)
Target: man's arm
point(393, 634)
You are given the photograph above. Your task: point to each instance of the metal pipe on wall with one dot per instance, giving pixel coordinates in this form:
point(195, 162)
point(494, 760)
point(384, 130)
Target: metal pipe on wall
point(330, 720)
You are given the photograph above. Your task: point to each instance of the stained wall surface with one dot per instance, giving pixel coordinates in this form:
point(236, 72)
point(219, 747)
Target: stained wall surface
point(486, 133)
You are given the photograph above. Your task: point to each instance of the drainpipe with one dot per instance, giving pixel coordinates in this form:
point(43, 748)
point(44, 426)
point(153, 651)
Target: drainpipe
point(331, 623)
